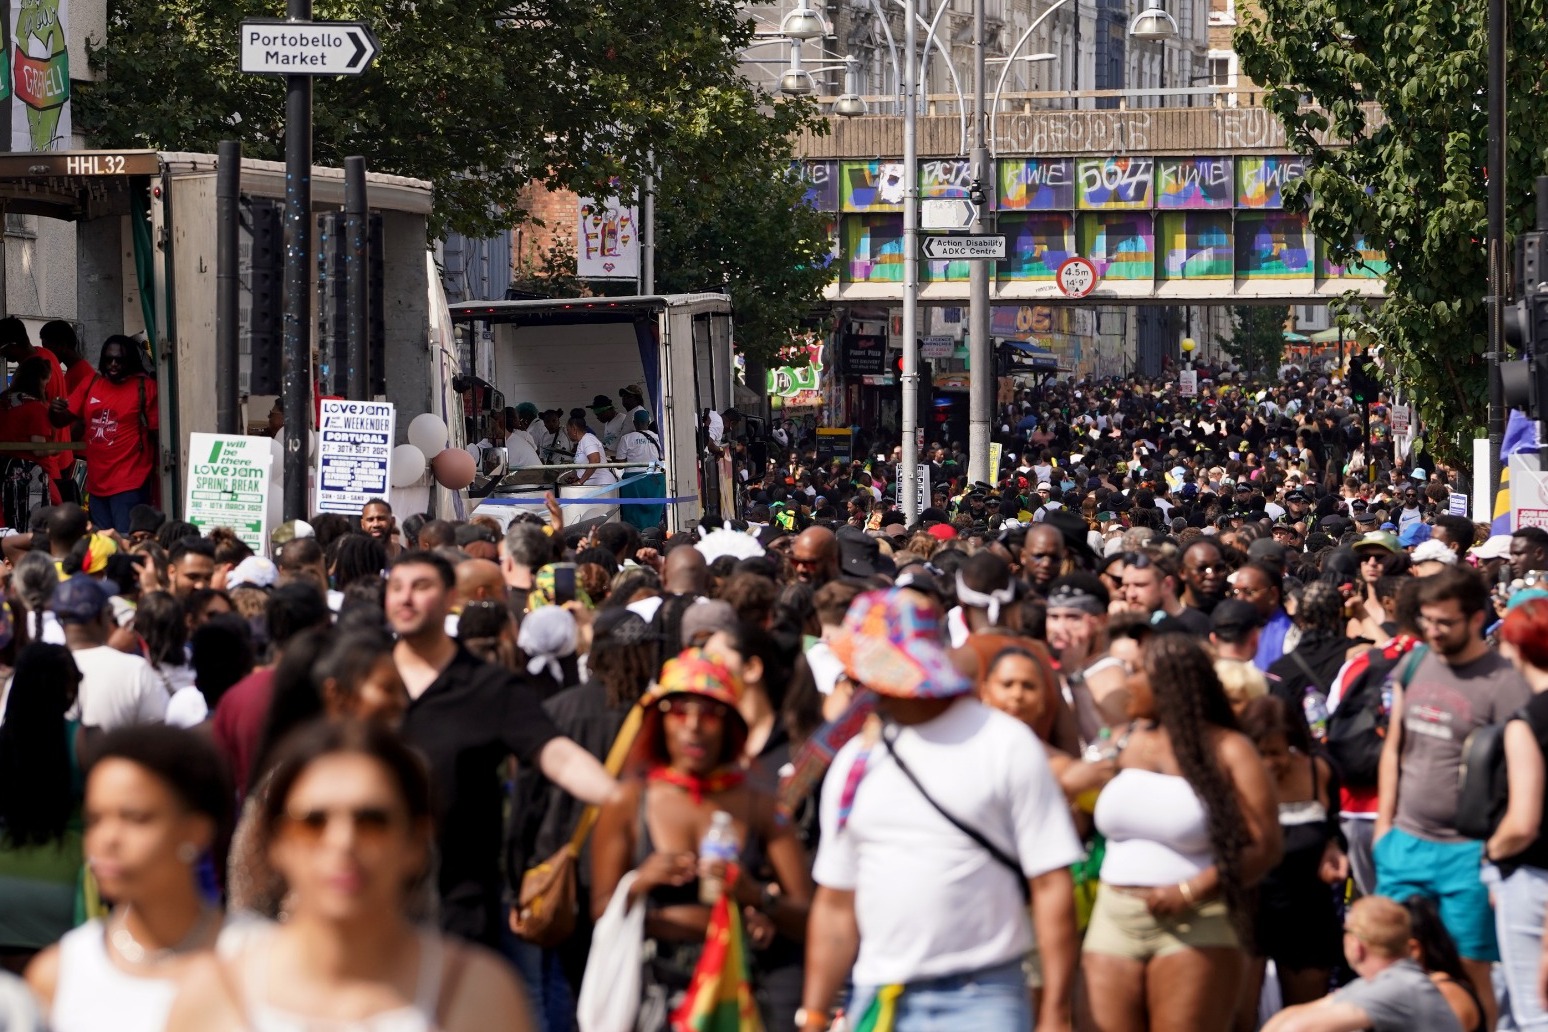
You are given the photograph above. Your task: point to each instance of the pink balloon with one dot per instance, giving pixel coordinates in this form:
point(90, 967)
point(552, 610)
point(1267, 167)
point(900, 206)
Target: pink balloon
point(453, 469)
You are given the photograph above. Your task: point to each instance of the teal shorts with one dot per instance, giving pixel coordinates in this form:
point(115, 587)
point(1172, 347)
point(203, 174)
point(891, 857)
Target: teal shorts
point(1448, 873)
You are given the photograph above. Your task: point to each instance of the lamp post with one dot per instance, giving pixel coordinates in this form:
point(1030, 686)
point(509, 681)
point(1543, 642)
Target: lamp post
point(908, 496)
point(1187, 346)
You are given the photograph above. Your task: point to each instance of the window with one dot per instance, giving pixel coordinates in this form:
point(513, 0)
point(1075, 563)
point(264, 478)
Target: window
point(1222, 12)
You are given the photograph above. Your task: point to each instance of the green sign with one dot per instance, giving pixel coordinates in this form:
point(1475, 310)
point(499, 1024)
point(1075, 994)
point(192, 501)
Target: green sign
point(228, 485)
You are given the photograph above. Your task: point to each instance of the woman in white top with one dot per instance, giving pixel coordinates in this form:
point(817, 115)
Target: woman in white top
point(588, 449)
point(157, 798)
point(1191, 824)
point(347, 826)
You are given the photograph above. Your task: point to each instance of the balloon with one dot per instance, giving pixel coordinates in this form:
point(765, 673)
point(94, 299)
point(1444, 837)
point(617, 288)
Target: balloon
point(408, 465)
point(311, 447)
point(428, 433)
point(276, 460)
point(454, 468)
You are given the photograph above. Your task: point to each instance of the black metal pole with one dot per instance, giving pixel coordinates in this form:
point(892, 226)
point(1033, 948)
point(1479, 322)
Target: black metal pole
point(298, 279)
point(356, 280)
point(1499, 272)
point(228, 285)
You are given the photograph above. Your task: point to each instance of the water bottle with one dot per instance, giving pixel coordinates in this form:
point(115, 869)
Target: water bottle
point(1102, 748)
point(719, 843)
point(1316, 707)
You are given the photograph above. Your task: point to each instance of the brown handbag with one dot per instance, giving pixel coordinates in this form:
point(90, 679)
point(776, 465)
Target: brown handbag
point(546, 907)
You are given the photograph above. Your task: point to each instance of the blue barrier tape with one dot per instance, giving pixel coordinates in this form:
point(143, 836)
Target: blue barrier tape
point(594, 500)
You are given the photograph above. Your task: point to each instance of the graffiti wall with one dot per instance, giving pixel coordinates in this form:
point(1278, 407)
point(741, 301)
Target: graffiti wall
point(1137, 218)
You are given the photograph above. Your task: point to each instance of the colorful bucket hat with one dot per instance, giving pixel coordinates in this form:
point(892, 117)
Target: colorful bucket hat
point(892, 642)
point(693, 672)
point(98, 548)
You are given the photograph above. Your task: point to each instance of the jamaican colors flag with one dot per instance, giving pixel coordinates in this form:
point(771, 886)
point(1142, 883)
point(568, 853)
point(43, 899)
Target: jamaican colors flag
point(719, 998)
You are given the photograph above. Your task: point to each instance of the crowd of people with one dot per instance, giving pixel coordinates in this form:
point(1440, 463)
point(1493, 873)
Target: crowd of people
point(1161, 730)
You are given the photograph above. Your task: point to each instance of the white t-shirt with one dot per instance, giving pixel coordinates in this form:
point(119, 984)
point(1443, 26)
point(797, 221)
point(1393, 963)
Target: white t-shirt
point(639, 446)
point(930, 901)
point(585, 448)
point(521, 449)
point(118, 690)
point(614, 428)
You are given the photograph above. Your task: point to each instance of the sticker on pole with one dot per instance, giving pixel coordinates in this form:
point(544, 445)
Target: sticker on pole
point(1077, 277)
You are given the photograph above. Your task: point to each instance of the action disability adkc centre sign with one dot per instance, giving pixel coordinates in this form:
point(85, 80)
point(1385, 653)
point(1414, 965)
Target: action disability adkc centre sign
point(279, 47)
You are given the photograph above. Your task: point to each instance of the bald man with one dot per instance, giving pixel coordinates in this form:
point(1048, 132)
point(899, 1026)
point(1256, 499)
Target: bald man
point(479, 580)
point(685, 572)
point(1042, 556)
point(815, 556)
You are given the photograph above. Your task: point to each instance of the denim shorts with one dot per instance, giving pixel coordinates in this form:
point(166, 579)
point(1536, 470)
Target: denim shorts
point(991, 1000)
point(1446, 872)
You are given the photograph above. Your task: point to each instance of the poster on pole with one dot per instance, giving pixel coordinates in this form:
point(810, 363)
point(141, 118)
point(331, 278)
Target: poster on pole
point(229, 485)
point(1528, 493)
point(922, 498)
point(37, 74)
point(1400, 419)
point(1457, 504)
point(996, 450)
point(354, 454)
point(608, 246)
point(1188, 383)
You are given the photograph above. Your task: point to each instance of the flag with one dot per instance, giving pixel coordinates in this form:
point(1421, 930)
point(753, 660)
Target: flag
point(719, 998)
point(1520, 436)
point(882, 1014)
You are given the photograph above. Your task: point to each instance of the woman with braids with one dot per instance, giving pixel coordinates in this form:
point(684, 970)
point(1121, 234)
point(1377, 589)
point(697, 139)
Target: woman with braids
point(1191, 825)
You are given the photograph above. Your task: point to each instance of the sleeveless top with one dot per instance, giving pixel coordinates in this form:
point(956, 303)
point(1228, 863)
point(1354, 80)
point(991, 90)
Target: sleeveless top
point(1156, 828)
point(418, 1016)
point(93, 994)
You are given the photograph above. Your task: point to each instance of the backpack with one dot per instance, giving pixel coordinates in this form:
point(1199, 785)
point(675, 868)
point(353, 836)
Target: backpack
point(23, 488)
point(1357, 729)
point(1484, 787)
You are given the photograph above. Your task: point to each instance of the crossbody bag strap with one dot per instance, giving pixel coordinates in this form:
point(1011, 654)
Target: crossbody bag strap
point(1000, 856)
point(615, 761)
point(1311, 675)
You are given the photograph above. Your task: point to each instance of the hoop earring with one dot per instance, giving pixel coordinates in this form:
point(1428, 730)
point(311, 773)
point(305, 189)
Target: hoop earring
point(188, 852)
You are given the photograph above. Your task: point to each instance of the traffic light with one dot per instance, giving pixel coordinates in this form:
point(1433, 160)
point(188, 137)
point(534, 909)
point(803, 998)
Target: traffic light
point(1524, 381)
point(1363, 385)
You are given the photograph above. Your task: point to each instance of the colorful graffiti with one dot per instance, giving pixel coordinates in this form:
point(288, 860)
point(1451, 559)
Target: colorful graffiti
point(873, 248)
point(1371, 264)
point(951, 177)
point(1108, 183)
point(799, 385)
point(1037, 184)
point(1272, 245)
point(1037, 244)
point(1121, 245)
point(821, 179)
point(871, 185)
point(1194, 245)
point(1193, 183)
point(1261, 182)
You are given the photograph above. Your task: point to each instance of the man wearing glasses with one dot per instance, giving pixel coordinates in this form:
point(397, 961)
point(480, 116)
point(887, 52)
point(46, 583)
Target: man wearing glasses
point(815, 557)
point(1261, 587)
point(1459, 686)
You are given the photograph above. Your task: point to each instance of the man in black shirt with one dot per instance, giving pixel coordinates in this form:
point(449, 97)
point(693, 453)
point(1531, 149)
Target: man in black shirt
point(466, 716)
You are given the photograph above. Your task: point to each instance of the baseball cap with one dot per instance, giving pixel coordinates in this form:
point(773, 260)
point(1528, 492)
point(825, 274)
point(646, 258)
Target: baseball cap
point(1382, 539)
point(1266, 549)
point(81, 599)
point(601, 401)
point(1232, 614)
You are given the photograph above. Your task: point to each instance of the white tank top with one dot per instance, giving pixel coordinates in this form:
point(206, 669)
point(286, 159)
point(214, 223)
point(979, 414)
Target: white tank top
point(1156, 828)
point(92, 994)
point(418, 1016)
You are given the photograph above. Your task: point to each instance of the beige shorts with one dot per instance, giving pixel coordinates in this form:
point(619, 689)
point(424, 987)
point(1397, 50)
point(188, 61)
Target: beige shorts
point(1122, 926)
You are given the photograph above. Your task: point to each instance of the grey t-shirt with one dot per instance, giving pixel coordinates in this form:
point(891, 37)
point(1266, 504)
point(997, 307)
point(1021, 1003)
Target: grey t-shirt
point(1442, 705)
point(1401, 999)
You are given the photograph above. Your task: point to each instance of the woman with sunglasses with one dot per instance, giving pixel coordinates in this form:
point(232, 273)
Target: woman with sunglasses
point(346, 823)
point(1191, 824)
point(691, 740)
point(157, 800)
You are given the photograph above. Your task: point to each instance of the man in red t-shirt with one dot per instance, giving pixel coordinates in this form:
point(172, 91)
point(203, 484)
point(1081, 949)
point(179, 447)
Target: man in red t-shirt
point(117, 407)
point(58, 339)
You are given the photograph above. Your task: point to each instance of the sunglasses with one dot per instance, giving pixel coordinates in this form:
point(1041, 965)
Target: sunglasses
point(370, 823)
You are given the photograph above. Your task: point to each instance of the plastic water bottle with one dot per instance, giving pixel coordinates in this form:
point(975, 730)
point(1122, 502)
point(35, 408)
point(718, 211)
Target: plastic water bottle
point(719, 843)
point(1316, 707)
point(1102, 748)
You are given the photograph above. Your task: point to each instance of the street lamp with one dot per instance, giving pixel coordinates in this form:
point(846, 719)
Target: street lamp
point(1187, 346)
point(1153, 24)
point(803, 23)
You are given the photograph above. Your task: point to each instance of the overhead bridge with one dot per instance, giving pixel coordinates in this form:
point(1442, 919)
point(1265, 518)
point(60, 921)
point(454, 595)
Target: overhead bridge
point(1172, 205)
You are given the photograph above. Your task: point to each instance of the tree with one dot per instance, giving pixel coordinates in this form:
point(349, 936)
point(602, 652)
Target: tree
point(480, 97)
point(1411, 181)
point(1257, 340)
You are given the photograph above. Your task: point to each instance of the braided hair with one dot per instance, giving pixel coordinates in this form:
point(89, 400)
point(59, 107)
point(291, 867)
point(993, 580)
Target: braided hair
point(1189, 700)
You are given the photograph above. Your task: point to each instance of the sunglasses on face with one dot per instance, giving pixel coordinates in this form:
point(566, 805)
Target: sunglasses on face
point(370, 823)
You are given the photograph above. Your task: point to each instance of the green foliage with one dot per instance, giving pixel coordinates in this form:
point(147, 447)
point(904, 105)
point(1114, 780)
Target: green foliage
point(480, 97)
point(1411, 181)
point(1257, 340)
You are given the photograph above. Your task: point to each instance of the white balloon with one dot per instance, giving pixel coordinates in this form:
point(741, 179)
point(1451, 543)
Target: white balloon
point(427, 432)
point(408, 465)
point(311, 447)
point(477, 453)
point(276, 460)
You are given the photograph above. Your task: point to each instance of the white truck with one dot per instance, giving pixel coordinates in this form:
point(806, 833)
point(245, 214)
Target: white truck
point(560, 354)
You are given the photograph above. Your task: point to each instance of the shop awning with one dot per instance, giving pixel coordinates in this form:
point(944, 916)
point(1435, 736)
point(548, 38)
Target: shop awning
point(1033, 355)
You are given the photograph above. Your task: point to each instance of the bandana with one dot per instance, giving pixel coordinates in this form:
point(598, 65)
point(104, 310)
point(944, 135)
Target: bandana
point(991, 601)
point(1071, 596)
point(697, 787)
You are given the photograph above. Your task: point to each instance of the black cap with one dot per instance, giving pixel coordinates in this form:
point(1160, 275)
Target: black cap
point(602, 401)
point(860, 555)
point(1232, 614)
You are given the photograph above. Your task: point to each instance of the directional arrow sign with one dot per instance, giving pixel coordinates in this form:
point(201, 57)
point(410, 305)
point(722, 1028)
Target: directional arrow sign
point(963, 248)
point(947, 213)
point(273, 47)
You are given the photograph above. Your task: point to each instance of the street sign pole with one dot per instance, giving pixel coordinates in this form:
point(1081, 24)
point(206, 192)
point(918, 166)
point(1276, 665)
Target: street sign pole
point(356, 296)
point(981, 366)
point(908, 494)
point(297, 335)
